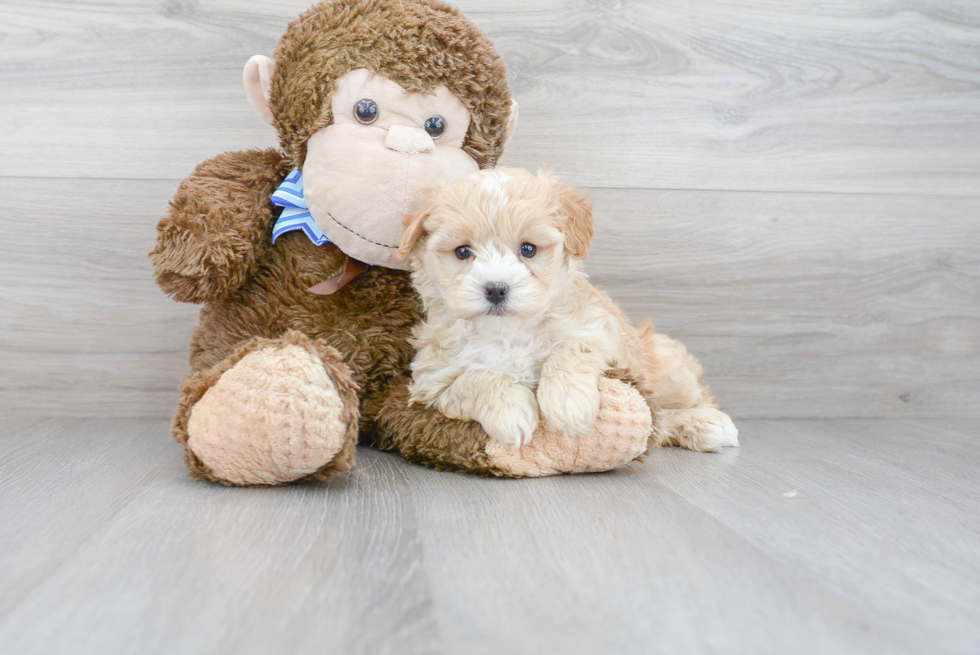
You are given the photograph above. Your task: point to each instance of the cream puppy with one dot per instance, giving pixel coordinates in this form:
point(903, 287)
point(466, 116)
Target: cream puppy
point(513, 325)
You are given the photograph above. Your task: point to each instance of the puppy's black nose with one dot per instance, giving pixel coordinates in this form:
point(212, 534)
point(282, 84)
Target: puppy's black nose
point(496, 292)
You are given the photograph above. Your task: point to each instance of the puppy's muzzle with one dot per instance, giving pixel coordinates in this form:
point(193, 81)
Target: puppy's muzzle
point(495, 292)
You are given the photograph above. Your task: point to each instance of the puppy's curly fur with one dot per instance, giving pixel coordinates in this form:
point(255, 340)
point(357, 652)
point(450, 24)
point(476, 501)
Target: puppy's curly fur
point(515, 330)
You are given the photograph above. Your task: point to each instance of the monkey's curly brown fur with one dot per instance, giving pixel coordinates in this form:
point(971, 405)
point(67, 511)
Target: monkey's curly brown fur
point(369, 320)
point(420, 45)
point(215, 247)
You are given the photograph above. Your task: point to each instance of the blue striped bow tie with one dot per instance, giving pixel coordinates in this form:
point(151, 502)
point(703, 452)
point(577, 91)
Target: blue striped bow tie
point(295, 212)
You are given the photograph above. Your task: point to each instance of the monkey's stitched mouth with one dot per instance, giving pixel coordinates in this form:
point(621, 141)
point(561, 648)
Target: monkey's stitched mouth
point(360, 236)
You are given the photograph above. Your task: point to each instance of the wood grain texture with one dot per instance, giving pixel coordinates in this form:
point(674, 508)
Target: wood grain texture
point(83, 328)
point(71, 472)
point(806, 304)
point(789, 189)
point(178, 566)
point(875, 96)
point(838, 276)
point(844, 536)
point(796, 304)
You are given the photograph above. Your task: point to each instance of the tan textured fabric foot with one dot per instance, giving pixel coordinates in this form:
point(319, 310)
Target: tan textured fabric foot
point(618, 437)
point(275, 416)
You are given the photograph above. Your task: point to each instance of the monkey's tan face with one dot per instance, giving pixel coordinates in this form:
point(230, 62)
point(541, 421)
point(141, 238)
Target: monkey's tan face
point(367, 170)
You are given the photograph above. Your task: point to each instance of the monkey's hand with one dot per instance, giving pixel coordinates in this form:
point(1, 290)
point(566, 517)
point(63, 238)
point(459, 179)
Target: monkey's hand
point(218, 226)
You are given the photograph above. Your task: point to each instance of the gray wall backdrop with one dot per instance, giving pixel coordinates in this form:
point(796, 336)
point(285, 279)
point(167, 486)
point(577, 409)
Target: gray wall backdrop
point(791, 188)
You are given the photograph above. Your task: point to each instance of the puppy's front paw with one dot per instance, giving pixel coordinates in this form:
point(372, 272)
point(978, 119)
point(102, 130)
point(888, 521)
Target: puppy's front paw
point(569, 402)
point(513, 417)
point(619, 436)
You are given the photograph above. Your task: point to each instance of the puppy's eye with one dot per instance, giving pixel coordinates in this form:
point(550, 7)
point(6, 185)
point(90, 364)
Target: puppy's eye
point(463, 252)
point(528, 250)
point(435, 126)
point(366, 111)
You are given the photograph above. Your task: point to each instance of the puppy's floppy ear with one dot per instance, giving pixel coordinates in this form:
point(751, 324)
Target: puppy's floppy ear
point(414, 226)
point(578, 227)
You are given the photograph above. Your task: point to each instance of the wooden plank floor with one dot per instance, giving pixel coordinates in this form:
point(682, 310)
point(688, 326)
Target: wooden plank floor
point(816, 536)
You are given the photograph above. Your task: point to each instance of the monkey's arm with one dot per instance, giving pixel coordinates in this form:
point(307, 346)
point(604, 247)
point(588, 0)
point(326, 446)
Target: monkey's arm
point(427, 436)
point(218, 226)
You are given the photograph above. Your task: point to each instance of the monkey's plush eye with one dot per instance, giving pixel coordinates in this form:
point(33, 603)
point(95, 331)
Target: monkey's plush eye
point(528, 250)
point(366, 111)
point(435, 126)
point(463, 252)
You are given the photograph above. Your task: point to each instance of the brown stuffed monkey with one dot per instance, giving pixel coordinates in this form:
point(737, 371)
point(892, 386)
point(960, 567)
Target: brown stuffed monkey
point(303, 341)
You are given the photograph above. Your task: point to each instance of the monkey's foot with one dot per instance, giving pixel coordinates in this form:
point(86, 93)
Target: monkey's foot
point(618, 437)
point(276, 411)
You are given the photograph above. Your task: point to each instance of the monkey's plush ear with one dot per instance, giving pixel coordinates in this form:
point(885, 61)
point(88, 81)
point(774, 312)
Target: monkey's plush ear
point(413, 227)
point(578, 228)
point(511, 122)
point(258, 84)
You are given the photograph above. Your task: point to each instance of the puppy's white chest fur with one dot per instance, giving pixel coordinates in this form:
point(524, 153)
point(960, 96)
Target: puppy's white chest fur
point(511, 346)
